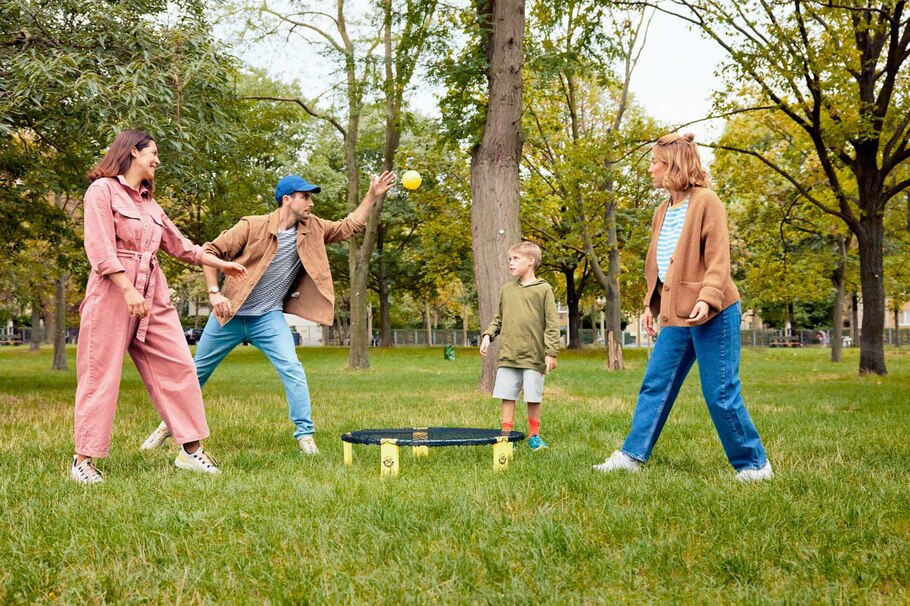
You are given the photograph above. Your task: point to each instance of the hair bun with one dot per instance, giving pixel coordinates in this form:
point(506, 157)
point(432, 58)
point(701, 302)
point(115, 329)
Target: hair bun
point(690, 137)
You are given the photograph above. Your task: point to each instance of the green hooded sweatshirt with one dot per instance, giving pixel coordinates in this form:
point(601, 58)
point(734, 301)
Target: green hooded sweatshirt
point(528, 325)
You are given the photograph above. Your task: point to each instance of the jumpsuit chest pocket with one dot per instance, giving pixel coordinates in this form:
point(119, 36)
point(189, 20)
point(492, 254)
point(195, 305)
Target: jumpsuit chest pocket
point(127, 222)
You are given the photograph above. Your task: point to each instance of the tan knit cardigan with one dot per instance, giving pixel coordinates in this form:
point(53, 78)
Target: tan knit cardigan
point(700, 266)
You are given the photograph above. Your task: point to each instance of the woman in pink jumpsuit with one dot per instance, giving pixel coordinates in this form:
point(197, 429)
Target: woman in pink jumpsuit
point(127, 308)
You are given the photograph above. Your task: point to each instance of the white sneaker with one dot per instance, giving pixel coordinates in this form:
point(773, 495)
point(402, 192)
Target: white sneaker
point(86, 472)
point(196, 461)
point(157, 438)
point(619, 460)
point(756, 475)
point(307, 445)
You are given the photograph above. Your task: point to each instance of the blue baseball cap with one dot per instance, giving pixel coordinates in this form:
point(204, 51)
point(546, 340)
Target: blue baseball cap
point(293, 183)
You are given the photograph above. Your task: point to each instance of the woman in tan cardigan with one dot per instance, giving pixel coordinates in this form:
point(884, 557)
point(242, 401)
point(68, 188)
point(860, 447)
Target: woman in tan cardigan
point(691, 291)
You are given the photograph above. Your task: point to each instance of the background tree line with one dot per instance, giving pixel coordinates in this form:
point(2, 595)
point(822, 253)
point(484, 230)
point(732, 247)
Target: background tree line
point(537, 136)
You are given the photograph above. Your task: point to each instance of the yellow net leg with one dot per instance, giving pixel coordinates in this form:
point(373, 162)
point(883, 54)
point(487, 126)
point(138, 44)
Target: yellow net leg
point(388, 452)
point(420, 451)
point(348, 453)
point(511, 450)
point(501, 452)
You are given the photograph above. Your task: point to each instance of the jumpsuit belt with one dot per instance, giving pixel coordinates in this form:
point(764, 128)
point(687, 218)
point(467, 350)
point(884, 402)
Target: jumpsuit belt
point(145, 282)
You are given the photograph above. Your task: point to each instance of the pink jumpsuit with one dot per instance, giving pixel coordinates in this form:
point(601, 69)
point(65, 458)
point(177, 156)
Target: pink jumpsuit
point(124, 229)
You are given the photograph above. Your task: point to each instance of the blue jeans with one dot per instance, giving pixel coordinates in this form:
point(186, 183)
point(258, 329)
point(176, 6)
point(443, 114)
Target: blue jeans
point(272, 336)
point(716, 346)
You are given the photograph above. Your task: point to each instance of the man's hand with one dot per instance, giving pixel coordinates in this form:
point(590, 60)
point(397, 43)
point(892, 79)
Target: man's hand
point(699, 314)
point(484, 345)
point(221, 305)
point(381, 184)
point(649, 322)
point(551, 364)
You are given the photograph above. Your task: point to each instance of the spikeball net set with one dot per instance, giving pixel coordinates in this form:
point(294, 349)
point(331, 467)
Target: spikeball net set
point(421, 439)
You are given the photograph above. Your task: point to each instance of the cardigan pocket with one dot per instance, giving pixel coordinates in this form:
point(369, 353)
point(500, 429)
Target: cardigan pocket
point(686, 297)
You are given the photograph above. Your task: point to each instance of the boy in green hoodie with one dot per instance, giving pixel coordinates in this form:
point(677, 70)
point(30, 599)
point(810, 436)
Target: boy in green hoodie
point(528, 324)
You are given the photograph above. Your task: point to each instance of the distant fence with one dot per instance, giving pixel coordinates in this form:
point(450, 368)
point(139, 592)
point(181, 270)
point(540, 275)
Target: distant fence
point(588, 337)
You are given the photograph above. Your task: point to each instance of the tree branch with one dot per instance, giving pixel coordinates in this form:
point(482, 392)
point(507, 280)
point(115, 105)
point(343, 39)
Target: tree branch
point(300, 102)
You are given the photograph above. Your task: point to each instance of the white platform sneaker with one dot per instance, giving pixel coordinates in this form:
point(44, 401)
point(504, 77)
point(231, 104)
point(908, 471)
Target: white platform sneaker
point(196, 461)
point(157, 438)
point(619, 461)
point(756, 475)
point(86, 472)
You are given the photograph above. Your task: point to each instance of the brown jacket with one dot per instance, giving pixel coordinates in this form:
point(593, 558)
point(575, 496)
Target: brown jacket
point(699, 268)
point(253, 242)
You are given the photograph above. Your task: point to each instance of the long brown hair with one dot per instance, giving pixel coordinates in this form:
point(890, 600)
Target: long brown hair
point(684, 168)
point(118, 158)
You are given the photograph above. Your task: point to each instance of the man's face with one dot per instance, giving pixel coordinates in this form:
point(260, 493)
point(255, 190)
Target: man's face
point(300, 203)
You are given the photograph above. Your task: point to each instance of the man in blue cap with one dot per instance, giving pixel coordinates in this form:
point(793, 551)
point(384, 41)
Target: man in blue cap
point(287, 272)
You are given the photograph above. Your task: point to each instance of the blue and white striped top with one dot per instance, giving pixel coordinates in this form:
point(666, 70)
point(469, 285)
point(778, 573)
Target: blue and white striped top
point(268, 294)
point(669, 236)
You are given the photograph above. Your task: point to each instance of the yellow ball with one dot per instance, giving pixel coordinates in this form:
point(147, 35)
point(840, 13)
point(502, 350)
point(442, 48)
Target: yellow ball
point(411, 179)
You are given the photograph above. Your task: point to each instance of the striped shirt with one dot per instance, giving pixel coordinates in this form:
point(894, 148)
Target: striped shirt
point(268, 294)
point(669, 236)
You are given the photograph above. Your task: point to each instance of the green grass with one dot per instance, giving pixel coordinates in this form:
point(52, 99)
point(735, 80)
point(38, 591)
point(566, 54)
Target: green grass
point(832, 527)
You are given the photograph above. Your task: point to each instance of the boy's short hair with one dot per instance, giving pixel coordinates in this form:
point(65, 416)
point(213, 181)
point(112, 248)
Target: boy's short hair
point(528, 249)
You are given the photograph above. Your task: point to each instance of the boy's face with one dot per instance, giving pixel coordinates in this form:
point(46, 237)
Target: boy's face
point(520, 265)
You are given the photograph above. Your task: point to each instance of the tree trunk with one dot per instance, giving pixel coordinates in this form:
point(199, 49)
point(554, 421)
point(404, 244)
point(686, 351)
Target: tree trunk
point(872, 347)
point(428, 321)
point(385, 312)
point(494, 162)
point(49, 324)
point(362, 249)
point(613, 305)
point(35, 335)
point(837, 320)
point(60, 324)
point(572, 303)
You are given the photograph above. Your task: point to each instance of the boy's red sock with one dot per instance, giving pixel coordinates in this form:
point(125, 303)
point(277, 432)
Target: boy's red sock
point(507, 426)
point(533, 427)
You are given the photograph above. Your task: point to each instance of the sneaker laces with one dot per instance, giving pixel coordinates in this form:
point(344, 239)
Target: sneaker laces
point(204, 457)
point(87, 469)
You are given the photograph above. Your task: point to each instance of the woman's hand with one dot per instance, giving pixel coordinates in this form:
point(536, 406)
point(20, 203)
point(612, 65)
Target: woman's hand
point(234, 270)
point(699, 314)
point(649, 322)
point(135, 302)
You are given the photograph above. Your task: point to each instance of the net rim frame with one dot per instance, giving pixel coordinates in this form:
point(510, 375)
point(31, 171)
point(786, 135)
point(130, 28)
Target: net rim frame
point(351, 437)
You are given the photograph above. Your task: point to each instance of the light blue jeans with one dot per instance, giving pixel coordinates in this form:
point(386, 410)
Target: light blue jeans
point(271, 334)
point(716, 345)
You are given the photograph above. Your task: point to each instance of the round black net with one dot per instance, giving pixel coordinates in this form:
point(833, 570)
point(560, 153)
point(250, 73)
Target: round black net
point(431, 436)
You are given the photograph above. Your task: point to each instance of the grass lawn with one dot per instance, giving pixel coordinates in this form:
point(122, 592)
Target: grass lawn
point(832, 527)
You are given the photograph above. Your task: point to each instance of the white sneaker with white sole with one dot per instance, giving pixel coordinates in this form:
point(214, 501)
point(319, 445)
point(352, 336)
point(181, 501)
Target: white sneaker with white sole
point(619, 461)
point(307, 445)
point(196, 461)
point(157, 438)
point(755, 475)
point(86, 472)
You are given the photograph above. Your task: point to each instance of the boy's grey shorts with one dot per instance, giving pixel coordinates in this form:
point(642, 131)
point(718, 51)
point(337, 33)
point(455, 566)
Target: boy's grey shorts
point(510, 381)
